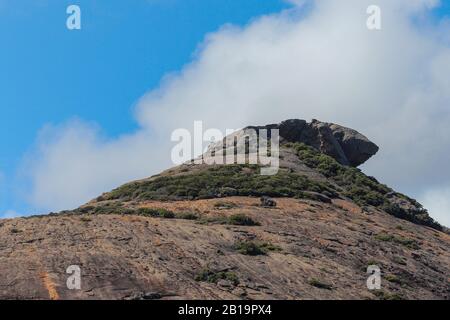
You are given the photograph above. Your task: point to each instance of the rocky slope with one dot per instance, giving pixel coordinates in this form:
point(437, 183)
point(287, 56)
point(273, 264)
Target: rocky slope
point(226, 232)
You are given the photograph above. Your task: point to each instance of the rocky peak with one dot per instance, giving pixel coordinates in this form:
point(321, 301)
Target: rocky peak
point(346, 145)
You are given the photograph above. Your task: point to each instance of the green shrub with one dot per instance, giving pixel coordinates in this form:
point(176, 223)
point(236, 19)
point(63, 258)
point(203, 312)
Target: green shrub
point(384, 237)
point(419, 216)
point(187, 216)
point(362, 189)
point(382, 295)
point(235, 219)
point(372, 262)
point(399, 260)
point(319, 284)
point(393, 278)
point(245, 180)
point(225, 205)
point(112, 207)
point(85, 219)
point(159, 213)
point(207, 275)
point(241, 220)
point(251, 248)
point(409, 243)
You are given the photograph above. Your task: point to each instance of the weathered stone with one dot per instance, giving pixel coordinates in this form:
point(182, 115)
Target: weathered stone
point(268, 202)
point(346, 145)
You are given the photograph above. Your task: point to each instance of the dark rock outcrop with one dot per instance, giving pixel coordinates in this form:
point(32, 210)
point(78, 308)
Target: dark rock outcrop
point(268, 202)
point(346, 145)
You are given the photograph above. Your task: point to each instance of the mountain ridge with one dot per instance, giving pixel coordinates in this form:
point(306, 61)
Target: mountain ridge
point(314, 150)
point(212, 231)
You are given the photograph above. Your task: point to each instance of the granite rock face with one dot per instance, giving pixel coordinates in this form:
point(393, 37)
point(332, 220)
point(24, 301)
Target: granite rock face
point(346, 145)
point(149, 258)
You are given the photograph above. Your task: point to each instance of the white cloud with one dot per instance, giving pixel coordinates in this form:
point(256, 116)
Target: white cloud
point(73, 163)
point(391, 85)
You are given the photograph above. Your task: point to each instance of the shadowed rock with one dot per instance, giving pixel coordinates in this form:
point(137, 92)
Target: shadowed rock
point(346, 145)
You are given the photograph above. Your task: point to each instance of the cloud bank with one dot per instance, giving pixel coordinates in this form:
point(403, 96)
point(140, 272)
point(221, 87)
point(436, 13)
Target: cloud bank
point(316, 60)
point(73, 163)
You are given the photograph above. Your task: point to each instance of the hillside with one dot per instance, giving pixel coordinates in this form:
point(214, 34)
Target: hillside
point(227, 232)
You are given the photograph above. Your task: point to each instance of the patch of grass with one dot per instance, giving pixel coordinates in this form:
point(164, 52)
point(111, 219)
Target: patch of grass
point(384, 237)
point(372, 262)
point(156, 213)
point(251, 248)
point(112, 207)
point(220, 181)
point(207, 275)
point(225, 205)
point(85, 219)
point(409, 243)
point(393, 278)
point(241, 220)
point(187, 216)
point(319, 284)
point(235, 219)
point(382, 295)
point(399, 260)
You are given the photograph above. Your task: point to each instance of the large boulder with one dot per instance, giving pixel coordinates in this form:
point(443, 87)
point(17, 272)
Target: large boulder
point(346, 145)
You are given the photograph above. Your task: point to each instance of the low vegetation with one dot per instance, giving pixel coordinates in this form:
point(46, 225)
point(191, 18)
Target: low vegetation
point(187, 216)
point(85, 219)
point(156, 213)
point(251, 248)
point(207, 275)
point(112, 207)
point(383, 295)
point(235, 219)
point(220, 181)
point(362, 189)
point(241, 220)
point(115, 207)
point(399, 260)
point(225, 205)
point(409, 243)
point(319, 284)
point(393, 278)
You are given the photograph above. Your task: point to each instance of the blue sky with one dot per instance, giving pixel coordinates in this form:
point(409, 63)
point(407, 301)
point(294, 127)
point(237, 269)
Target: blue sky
point(49, 74)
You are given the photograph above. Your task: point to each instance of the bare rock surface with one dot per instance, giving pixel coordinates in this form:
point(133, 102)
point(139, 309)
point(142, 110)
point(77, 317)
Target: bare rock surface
point(323, 253)
point(346, 145)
